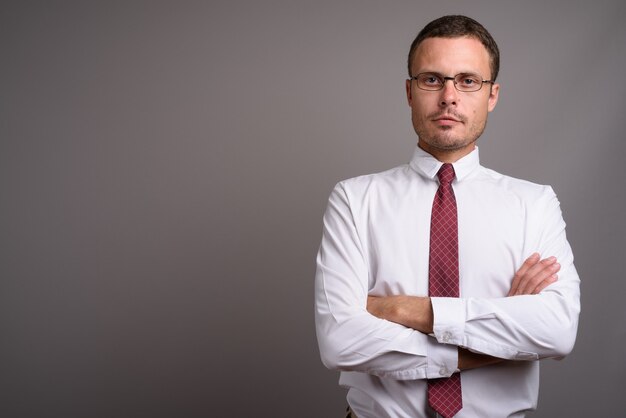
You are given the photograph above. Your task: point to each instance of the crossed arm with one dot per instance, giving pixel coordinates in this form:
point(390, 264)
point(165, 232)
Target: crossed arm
point(416, 312)
point(418, 337)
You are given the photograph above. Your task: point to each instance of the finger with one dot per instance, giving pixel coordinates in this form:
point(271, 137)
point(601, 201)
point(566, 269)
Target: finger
point(542, 272)
point(528, 264)
point(537, 274)
point(547, 282)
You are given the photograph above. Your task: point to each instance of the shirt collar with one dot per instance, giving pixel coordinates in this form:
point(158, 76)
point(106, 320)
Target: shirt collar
point(426, 164)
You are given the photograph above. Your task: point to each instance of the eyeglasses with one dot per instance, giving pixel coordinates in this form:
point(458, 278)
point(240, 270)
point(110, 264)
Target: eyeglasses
point(465, 82)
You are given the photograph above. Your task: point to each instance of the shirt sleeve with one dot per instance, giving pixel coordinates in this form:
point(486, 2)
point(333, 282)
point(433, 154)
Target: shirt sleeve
point(524, 327)
point(349, 337)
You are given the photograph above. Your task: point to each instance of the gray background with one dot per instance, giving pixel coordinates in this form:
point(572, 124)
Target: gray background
point(164, 167)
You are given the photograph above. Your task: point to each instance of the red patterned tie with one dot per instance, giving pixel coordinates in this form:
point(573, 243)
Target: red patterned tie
point(444, 395)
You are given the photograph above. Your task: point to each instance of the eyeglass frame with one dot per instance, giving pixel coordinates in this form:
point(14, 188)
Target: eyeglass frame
point(453, 79)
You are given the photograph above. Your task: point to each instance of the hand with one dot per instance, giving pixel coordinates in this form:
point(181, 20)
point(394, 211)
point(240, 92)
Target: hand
point(534, 275)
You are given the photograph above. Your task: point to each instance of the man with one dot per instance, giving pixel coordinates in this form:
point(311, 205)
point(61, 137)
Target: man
point(436, 287)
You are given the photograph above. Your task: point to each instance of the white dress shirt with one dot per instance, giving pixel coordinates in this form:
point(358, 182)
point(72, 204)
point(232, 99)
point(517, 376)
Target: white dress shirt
point(376, 242)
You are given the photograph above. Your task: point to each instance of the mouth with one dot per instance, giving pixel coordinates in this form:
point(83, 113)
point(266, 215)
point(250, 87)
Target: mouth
point(446, 121)
point(446, 118)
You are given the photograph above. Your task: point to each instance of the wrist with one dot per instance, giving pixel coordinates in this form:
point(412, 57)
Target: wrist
point(418, 314)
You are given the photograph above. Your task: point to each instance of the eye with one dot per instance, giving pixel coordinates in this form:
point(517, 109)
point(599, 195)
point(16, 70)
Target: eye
point(430, 80)
point(468, 80)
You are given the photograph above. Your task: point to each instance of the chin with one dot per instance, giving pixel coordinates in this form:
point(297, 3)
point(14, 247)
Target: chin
point(449, 143)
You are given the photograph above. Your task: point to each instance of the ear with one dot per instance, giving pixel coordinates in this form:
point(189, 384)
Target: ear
point(493, 97)
point(409, 96)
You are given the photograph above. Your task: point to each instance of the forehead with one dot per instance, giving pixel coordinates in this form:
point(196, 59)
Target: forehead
point(451, 56)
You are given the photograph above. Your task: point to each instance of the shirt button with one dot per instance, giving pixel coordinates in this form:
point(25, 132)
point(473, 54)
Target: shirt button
point(443, 371)
point(446, 337)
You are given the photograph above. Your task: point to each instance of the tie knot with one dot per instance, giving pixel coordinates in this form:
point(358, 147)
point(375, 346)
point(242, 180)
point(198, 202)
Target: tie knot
point(446, 173)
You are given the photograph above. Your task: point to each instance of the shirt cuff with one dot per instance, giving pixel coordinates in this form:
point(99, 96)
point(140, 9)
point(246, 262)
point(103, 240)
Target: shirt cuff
point(443, 359)
point(449, 316)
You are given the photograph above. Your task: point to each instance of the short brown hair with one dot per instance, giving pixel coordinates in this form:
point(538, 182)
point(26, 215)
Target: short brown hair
point(456, 26)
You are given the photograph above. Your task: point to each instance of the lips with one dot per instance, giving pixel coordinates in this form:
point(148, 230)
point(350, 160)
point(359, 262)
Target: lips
point(447, 118)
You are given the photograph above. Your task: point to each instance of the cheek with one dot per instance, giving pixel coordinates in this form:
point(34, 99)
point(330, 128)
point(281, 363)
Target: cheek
point(422, 107)
point(417, 110)
point(479, 113)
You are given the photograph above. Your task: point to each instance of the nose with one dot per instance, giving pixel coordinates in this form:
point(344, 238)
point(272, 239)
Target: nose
point(449, 92)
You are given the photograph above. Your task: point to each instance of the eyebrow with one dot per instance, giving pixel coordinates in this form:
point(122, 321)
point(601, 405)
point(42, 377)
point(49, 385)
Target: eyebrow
point(443, 75)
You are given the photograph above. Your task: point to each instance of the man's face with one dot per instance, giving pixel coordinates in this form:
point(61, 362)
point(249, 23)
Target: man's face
point(448, 121)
